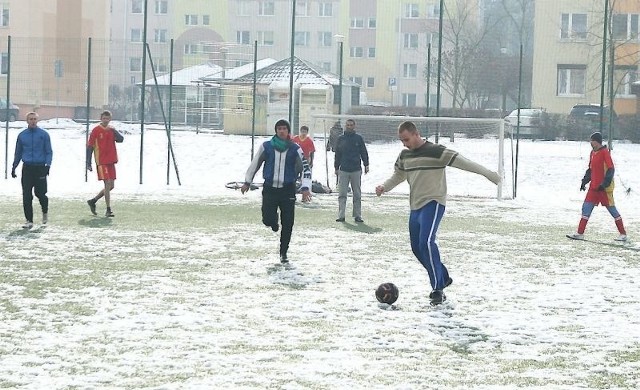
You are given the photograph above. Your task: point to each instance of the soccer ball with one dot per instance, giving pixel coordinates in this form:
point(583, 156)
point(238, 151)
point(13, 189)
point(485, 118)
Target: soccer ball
point(387, 293)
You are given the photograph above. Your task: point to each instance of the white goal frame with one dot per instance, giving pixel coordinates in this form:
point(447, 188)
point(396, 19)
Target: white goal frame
point(498, 123)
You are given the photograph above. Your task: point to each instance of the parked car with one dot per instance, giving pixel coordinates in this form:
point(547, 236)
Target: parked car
point(13, 111)
point(532, 122)
point(591, 113)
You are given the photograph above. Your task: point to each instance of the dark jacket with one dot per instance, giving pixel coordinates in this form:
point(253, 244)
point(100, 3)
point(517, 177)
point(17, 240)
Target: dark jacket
point(350, 150)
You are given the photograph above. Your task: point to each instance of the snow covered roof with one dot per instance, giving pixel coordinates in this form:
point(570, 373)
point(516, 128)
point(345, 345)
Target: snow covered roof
point(209, 72)
point(303, 71)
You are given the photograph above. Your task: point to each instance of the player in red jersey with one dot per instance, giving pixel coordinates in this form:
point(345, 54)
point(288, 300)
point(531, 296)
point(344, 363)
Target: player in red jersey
point(306, 144)
point(600, 175)
point(102, 144)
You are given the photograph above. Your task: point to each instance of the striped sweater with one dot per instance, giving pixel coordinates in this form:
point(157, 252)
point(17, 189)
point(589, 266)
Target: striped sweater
point(424, 170)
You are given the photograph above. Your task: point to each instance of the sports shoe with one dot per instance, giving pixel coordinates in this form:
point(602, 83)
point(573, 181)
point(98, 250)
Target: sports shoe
point(359, 220)
point(283, 258)
point(109, 213)
point(340, 220)
point(437, 297)
point(27, 225)
point(275, 227)
point(45, 218)
point(92, 206)
point(621, 238)
point(576, 236)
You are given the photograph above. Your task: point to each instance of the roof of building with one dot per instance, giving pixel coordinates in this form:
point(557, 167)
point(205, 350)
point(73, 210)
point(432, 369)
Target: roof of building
point(208, 72)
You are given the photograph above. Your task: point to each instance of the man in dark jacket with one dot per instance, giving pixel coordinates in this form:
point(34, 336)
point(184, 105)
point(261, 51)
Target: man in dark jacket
point(283, 162)
point(351, 154)
point(33, 148)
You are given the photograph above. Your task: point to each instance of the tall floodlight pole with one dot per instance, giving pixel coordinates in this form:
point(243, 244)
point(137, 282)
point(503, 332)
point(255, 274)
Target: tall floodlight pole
point(340, 39)
point(144, 85)
point(293, 42)
point(438, 87)
point(604, 64)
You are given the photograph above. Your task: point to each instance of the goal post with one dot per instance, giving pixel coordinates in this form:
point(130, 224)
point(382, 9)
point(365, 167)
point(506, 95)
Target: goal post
point(479, 139)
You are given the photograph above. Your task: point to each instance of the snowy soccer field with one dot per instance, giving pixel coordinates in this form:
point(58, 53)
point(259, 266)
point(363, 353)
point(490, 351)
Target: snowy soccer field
point(182, 289)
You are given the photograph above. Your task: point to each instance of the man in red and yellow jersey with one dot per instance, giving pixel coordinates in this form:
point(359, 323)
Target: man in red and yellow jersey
point(102, 144)
point(600, 176)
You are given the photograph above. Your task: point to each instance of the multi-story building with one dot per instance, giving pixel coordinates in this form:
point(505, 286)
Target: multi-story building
point(48, 56)
point(568, 61)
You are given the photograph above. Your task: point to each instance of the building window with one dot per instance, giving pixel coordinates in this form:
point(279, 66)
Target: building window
point(160, 36)
point(206, 20)
point(326, 66)
point(357, 22)
point(135, 64)
point(302, 38)
point(409, 99)
point(324, 39)
point(625, 26)
point(190, 48)
point(266, 8)
point(265, 38)
point(356, 79)
point(411, 10)
point(191, 20)
point(161, 65)
point(161, 6)
point(326, 9)
point(136, 35)
point(410, 71)
point(372, 23)
point(624, 77)
point(4, 63)
point(243, 37)
point(302, 8)
point(4, 14)
point(410, 41)
point(432, 38)
point(573, 26)
point(433, 11)
point(136, 6)
point(357, 52)
point(571, 80)
point(244, 8)
point(371, 52)
point(371, 82)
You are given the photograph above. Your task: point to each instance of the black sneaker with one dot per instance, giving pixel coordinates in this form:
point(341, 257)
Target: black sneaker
point(359, 220)
point(437, 297)
point(109, 213)
point(340, 220)
point(92, 206)
point(283, 258)
point(275, 227)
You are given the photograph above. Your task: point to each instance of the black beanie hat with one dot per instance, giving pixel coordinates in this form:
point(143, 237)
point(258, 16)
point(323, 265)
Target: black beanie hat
point(596, 137)
point(283, 122)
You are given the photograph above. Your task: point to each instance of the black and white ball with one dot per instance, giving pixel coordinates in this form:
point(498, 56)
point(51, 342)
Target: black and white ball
point(387, 293)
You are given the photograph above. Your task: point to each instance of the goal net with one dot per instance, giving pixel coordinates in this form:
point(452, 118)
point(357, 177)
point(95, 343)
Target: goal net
point(478, 139)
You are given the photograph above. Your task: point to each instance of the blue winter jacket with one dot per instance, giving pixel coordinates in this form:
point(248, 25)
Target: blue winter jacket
point(350, 150)
point(281, 168)
point(33, 147)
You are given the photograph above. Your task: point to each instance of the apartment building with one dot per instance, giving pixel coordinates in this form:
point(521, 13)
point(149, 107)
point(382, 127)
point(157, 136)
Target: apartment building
point(49, 43)
point(567, 67)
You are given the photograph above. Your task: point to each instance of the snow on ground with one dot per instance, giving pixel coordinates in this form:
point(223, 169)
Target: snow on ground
point(548, 324)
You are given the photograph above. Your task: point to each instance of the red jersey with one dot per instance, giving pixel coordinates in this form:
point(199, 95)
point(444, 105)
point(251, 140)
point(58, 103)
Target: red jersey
point(103, 142)
point(307, 146)
point(599, 162)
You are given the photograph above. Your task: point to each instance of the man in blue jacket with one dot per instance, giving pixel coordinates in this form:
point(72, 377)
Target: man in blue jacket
point(283, 163)
point(351, 154)
point(33, 148)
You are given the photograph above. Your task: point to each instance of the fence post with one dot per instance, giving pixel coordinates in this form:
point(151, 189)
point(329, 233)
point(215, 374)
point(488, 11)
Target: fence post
point(87, 108)
point(6, 126)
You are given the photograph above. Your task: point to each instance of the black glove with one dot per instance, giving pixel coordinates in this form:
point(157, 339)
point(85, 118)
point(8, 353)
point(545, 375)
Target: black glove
point(583, 187)
point(13, 173)
point(89, 167)
point(601, 187)
point(46, 170)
